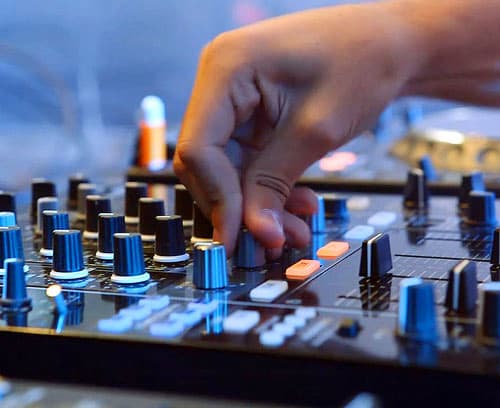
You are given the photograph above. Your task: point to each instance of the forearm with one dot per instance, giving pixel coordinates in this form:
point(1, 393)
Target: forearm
point(459, 46)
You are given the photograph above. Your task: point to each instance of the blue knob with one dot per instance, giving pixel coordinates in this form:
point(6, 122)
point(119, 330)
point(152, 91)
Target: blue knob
point(67, 261)
point(425, 164)
point(481, 211)
point(248, 252)
point(316, 221)
point(44, 204)
point(129, 265)
point(52, 220)
point(169, 244)
point(470, 182)
point(489, 313)
point(11, 244)
point(14, 295)
point(416, 314)
point(7, 219)
point(109, 224)
point(209, 266)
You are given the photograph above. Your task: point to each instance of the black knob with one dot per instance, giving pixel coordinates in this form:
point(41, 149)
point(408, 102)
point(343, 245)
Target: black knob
point(133, 192)
point(40, 188)
point(44, 204)
point(73, 183)
point(416, 313)
point(461, 293)
point(149, 209)
point(11, 245)
point(470, 182)
point(52, 220)
point(209, 266)
point(376, 257)
point(15, 296)
point(183, 204)
point(67, 261)
point(202, 227)
point(128, 265)
point(95, 206)
point(416, 192)
point(7, 202)
point(248, 252)
point(489, 313)
point(109, 224)
point(84, 190)
point(169, 244)
point(336, 208)
point(481, 211)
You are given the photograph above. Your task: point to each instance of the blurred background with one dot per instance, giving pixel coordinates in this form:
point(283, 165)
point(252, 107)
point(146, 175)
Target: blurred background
point(72, 75)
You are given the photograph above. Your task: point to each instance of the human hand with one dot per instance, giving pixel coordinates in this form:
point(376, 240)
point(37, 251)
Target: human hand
point(272, 98)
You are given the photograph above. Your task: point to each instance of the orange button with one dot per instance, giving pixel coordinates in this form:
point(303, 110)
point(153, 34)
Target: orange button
point(332, 250)
point(302, 269)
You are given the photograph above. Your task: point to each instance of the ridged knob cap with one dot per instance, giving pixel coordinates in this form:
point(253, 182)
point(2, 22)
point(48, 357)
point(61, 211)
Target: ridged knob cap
point(14, 295)
point(7, 219)
point(461, 292)
point(52, 220)
point(169, 244)
point(376, 257)
point(44, 204)
point(416, 313)
point(489, 313)
point(209, 266)
point(416, 192)
point(134, 191)
point(481, 211)
point(11, 244)
point(67, 261)
point(128, 265)
point(108, 225)
point(95, 205)
point(248, 252)
point(149, 209)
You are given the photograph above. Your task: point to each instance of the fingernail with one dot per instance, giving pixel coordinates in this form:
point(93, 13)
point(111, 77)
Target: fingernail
point(272, 217)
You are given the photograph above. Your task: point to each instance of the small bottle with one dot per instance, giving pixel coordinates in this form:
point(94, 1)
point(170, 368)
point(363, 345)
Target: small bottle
point(152, 134)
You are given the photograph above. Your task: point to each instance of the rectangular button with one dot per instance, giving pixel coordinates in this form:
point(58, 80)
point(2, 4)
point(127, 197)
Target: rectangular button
point(333, 250)
point(302, 269)
point(360, 232)
point(241, 321)
point(382, 218)
point(268, 291)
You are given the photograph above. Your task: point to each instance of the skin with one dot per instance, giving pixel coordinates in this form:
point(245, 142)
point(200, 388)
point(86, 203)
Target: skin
point(272, 98)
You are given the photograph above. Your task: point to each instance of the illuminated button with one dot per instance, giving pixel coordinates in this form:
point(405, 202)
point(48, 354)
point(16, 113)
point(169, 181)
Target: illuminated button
point(284, 329)
point(358, 203)
point(295, 321)
point(382, 218)
point(155, 302)
point(136, 312)
point(205, 308)
point(271, 339)
point(302, 269)
point(115, 324)
point(268, 291)
point(306, 312)
point(241, 321)
point(188, 318)
point(333, 250)
point(166, 329)
point(360, 232)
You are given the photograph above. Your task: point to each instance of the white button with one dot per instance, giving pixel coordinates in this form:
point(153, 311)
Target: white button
point(306, 312)
point(188, 318)
point(284, 329)
point(241, 321)
point(136, 312)
point(382, 218)
point(166, 329)
point(358, 203)
point(271, 339)
point(360, 232)
point(156, 302)
point(115, 324)
point(294, 321)
point(205, 308)
point(268, 291)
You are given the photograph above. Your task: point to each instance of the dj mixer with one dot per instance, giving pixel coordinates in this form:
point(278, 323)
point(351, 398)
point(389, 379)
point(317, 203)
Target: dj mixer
point(395, 295)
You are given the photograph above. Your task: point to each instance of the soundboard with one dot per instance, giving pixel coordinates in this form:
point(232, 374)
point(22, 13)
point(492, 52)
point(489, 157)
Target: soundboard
point(395, 295)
